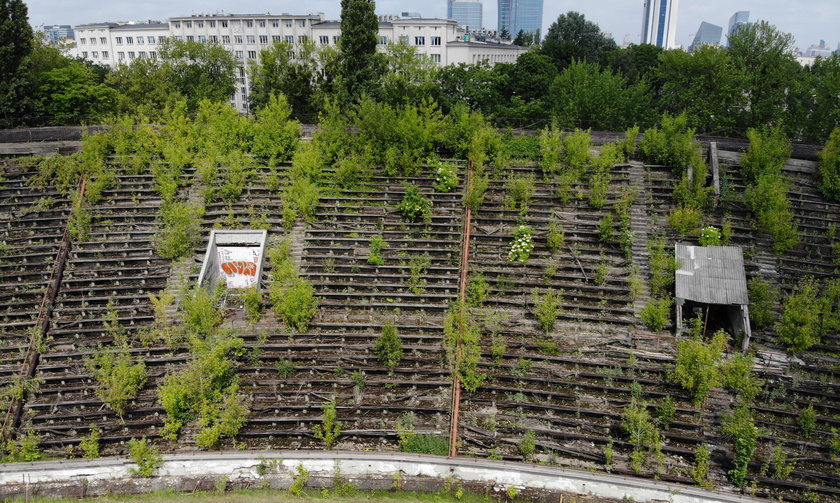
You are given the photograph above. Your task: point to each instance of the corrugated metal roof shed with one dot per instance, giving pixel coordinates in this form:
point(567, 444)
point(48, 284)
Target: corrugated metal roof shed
point(711, 274)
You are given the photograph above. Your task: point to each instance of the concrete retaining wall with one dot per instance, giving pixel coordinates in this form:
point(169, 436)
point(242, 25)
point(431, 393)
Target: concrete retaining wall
point(202, 471)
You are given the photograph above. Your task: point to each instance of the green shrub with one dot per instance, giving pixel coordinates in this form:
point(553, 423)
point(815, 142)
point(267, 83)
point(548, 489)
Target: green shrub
point(523, 148)
point(330, 429)
point(252, 299)
point(686, 220)
point(642, 434)
point(808, 421)
point(599, 184)
point(376, 245)
point(518, 192)
point(663, 267)
point(522, 246)
point(25, 449)
point(474, 198)
point(285, 367)
point(671, 144)
point(307, 162)
point(388, 347)
point(666, 412)
point(741, 428)
point(200, 313)
point(764, 300)
point(698, 368)
point(710, 236)
point(799, 325)
point(118, 378)
point(416, 266)
point(606, 229)
point(551, 149)
point(461, 337)
point(300, 200)
point(424, 443)
point(477, 290)
point(737, 373)
point(181, 230)
point(575, 150)
point(299, 480)
point(527, 444)
point(702, 463)
point(830, 166)
point(768, 151)
point(779, 460)
point(547, 307)
point(415, 207)
point(295, 303)
point(90, 444)
point(555, 237)
point(145, 455)
point(446, 177)
point(656, 313)
point(628, 144)
point(274, 134)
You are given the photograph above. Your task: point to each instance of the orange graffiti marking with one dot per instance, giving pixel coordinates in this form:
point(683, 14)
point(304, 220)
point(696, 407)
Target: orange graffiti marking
point(240, 267)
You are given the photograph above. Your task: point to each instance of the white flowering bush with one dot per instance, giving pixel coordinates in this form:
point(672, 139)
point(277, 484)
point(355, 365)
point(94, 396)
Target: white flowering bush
point(523, 245)
point(446, 178)
point(415, 206)
point(710, 236)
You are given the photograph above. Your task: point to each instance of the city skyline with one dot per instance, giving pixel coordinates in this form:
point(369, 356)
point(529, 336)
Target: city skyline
point(618, 17)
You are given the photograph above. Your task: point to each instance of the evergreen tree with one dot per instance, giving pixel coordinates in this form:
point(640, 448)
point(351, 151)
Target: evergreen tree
point(359, 65)
point(572, 37)
point(16, 40)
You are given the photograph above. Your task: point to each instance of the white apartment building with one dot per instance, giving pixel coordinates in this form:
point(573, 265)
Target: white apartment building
point(245, 35)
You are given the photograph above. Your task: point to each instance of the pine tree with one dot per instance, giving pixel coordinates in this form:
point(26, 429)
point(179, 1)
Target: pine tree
point(359, 66)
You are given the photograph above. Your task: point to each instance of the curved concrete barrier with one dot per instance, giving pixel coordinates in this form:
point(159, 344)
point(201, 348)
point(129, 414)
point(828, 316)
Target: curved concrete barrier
point(369, 470)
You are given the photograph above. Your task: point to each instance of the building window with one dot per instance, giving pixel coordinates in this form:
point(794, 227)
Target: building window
point(120, 56)
point(325, 39)
point(262, 23)
point(225, 39)
point(302, 23)
point(119, 40)
point(383, 40)
point(177, 24)
point(214, 39)
point(130, 54)
point(419, 40)
point(140, 40)
point(252, 54)
point(237, 39)
point(404, 39)
point(95, 54)
point(238, 54)
point(288, 23)
point(82, 41)
point(188, 24)
point(151, 40)
point(104, 54)
point(275, 23)
point(290, 39)
point(275, 38)
point(335, 39)
point(161, 39)
point(302, 39)
point(84, 54)
point(152, 54)
point(103, 40)
point(241, 71)
point(202, 38)
point(224, 24)
point(435, 40)
point(92, 40)
point(249, 23)
point(129, 40)
point(263, 39)
point(142, 54)
point(190, 38)
point(199, 24)
point(252, 39)
point(179, 37)
point(212, 24)
point(435, 58)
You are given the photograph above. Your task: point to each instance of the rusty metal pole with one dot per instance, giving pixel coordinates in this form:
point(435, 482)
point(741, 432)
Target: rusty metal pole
point(462, 296)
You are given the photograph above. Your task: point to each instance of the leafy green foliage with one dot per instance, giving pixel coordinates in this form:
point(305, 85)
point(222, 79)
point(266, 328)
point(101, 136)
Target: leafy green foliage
point(698, 365)
point(710, 236)
point(663, 266)
point(737, 374)
point(702, 463)
point(461, 338)
point(376, 245)
point(330, 429)
point(388, 347)
point(181, 230)
point(686, 220)
point(285, 367)
point(808, 421)
point(417, 265)
point(90, 444)
point(741, 428)
point(830, 166)
point(425, 443)
point(527, 444)
point(295, 303)
point(764, 300)
point(519, 191)
point(555, 238)
point(547, 307)
point(200, 314)
point(800, 324)
point(145, 455)
point(415, 206)
point(551, 149)
point(671, 144)
point(446, 177)
point(252, 298)
point(478, 290)
point(24, 449)
point(656, 314)
point(642, 434)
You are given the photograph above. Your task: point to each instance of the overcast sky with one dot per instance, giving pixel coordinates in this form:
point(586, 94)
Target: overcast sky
point(807, 21)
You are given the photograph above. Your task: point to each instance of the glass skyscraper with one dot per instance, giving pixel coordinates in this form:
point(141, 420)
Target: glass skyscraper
point(520, 15)
point(468, 13)
point(659, 23)
point(738, 20)
point(707, 34)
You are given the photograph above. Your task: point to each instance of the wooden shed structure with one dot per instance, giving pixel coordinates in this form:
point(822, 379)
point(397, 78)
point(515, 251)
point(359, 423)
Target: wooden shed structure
point(711, 281)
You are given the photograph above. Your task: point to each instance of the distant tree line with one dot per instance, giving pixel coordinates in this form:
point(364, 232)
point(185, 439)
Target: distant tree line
point(575, 76)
